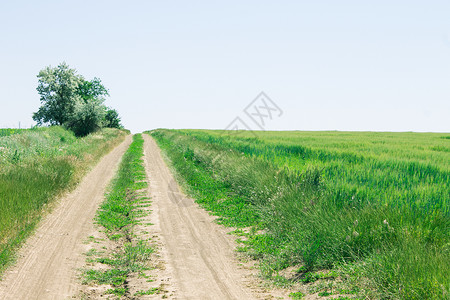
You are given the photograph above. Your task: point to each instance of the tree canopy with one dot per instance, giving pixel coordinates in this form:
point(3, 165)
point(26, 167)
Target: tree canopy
point(59, 91)
point(69, 100)
point(112, 119)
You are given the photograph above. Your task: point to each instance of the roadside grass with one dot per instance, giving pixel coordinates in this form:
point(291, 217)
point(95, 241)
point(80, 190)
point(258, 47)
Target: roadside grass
point(118, 214)
point(11, 131)
point(372, 207)
point(38, 165)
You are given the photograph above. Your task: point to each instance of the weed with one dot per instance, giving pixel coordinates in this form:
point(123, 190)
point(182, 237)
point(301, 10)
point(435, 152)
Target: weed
point(309, 277)
point(121, 291)
point(115, 237)
point(92, 252)
point(114, 277)
point(151, 291)
point(296, 295)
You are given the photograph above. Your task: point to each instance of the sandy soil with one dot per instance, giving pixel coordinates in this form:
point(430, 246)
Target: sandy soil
point(47, 264)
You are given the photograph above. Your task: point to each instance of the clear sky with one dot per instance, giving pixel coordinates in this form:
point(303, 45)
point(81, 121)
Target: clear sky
point(329, 65)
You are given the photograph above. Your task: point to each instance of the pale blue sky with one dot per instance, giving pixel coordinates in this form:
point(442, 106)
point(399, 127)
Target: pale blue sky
point(330, 65)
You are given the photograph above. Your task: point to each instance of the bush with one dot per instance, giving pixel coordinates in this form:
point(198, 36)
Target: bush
point(88, 117)
point(112, 119)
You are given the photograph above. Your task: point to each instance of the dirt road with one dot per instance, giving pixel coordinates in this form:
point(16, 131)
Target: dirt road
point(46, 268)
point(199, 253)
point(196, 256)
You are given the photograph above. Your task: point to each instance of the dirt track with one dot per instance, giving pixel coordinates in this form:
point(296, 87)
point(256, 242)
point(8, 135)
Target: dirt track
point(46, 268)
point(200, 254)
point(197, 255)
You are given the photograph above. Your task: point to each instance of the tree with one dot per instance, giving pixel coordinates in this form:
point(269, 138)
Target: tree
point(112, 119)
point(89, 114)
point(87, 117)
point(59, 94)
point(68, 99)
point(94, 89)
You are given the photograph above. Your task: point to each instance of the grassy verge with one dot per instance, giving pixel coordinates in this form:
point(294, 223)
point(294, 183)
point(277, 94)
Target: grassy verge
point(118, 215)
point(324, 216)
point(36, 167)
point(10, 131)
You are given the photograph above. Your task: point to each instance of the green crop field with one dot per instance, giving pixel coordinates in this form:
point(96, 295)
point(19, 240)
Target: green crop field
point(369, 208)
point(37, 165)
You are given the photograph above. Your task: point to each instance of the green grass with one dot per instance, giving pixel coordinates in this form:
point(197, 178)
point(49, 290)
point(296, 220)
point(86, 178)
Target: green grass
point(378, 202)
point(118, 214)
point(36, 166)
point(10, 131)
point(296, 295)
point(151, 291)
point(119, 210)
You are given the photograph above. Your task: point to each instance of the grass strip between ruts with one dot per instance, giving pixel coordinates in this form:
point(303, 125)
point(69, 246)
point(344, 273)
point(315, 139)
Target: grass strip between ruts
point(118, 214)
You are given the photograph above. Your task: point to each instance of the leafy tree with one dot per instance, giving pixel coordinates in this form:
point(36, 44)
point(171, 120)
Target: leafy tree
point(87, 118)
point(112, 119)
point(68, 99)
point(94, 89)
point(59, 94)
